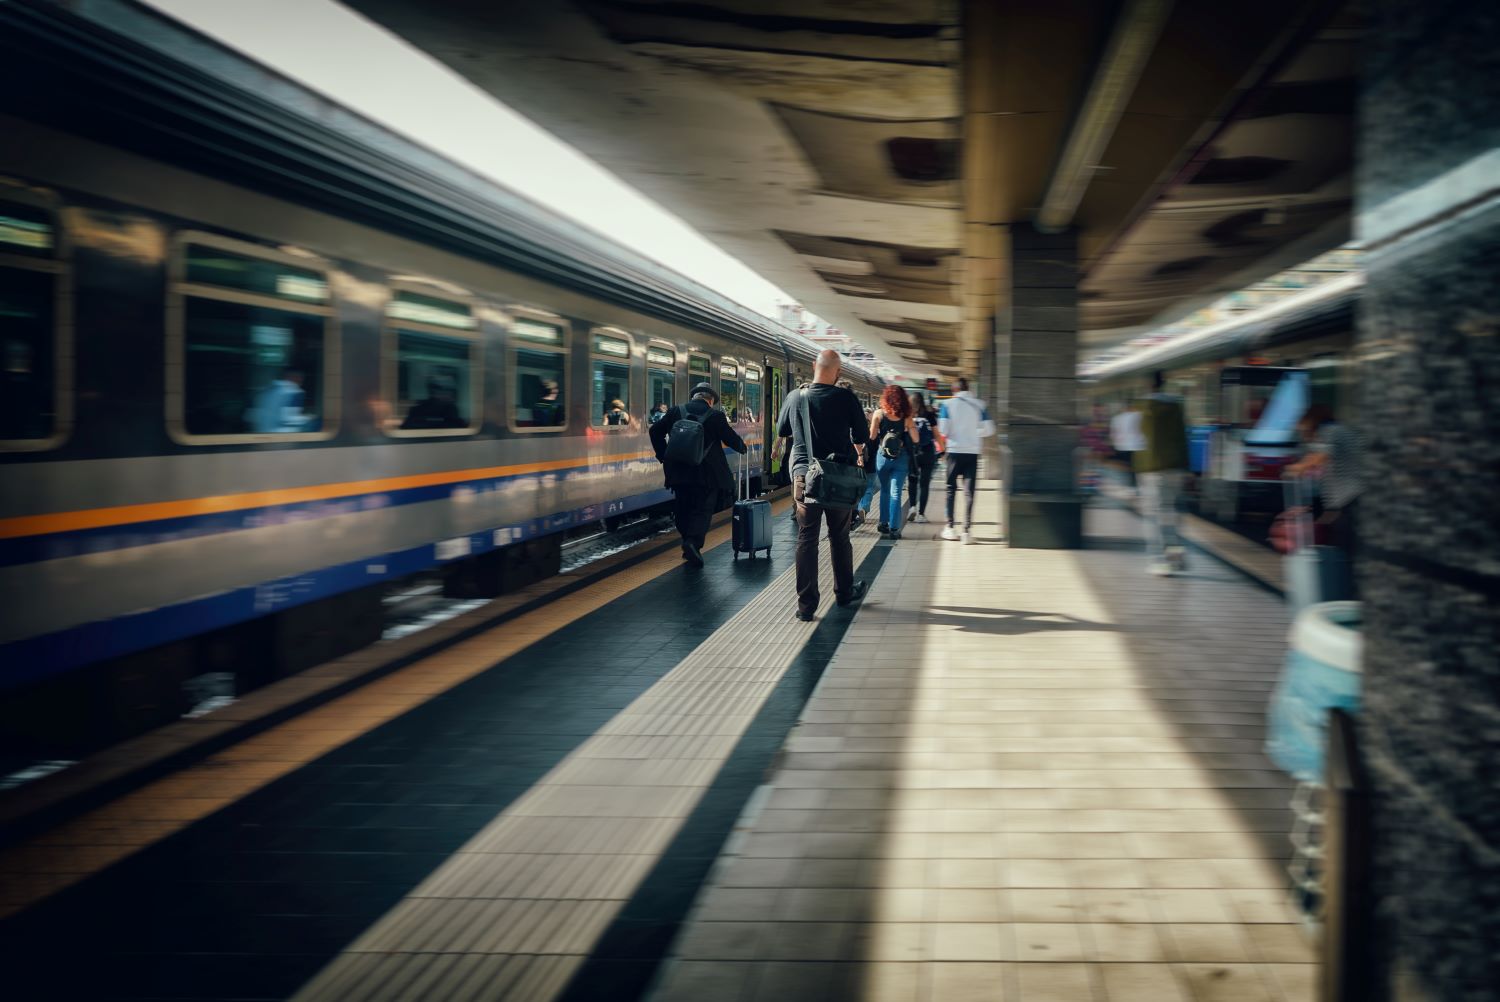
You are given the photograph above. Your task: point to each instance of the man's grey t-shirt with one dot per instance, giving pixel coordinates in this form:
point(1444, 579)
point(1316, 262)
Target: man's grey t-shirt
point(837, 421)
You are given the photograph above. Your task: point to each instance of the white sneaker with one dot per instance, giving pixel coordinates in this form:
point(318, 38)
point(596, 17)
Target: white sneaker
point(919, 518)
point(1161, 568)
point(966, 539)
point(950, 533)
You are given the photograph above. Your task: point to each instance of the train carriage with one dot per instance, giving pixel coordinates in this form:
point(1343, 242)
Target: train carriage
point(264, 358)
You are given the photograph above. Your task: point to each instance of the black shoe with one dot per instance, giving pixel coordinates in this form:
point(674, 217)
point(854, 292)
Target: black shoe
point(856, 592)
point(884, 529)
point(858, 519)
point(805, 617)
point(690, 553)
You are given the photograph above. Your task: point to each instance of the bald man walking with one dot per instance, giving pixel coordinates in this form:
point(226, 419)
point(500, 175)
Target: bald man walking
point(837, 424)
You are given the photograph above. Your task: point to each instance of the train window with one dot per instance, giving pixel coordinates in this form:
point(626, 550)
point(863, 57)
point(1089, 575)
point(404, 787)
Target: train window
point(431, 366)
point(752, 395)
point(700, 370)
point(33, 330)
point(729, 389)
point(251, 353)
point(539, 368)
point(610, 373)
point(661, 379)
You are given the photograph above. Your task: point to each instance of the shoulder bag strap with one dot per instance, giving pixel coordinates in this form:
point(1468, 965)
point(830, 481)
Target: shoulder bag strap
point(804, 413)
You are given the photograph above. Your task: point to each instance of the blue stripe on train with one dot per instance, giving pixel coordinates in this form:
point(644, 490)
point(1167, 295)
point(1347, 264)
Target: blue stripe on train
point(38, 657)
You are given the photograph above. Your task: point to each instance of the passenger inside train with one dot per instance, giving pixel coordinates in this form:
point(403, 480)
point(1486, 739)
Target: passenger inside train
point(439, 409)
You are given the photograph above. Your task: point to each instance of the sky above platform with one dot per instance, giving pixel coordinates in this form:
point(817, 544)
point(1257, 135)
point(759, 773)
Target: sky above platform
point(329, 48)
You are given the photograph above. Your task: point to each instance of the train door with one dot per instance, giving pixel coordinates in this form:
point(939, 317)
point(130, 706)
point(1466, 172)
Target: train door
point(775, 394)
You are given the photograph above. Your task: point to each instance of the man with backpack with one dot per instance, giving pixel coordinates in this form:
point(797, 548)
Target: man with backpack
point(963, 422)
point(824, 421)
point(689, 443)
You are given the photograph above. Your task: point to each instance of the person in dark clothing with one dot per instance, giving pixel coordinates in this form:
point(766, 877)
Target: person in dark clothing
point(439, 410)
point(702, 489)
point(616, 414)
point(924, 459)
point(547, 412)
point(837, 430)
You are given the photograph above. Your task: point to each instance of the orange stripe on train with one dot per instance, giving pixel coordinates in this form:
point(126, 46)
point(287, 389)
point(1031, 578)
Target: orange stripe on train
point(98, 518)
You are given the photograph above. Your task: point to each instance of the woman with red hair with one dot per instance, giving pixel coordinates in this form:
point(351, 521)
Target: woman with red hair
point(895, 436)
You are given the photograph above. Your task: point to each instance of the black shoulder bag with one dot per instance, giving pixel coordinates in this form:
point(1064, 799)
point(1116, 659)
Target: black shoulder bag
point(828, 482)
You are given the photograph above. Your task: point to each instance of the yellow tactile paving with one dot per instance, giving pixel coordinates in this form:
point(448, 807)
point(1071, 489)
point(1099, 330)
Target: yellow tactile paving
point(46, 864)
point(549, 874)
point(1032, 776)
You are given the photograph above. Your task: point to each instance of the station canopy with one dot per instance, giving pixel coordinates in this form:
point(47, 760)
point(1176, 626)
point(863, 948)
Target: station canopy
point(868, 157)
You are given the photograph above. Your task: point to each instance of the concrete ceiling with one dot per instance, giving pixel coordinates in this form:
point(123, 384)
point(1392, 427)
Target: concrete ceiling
point(868, 155)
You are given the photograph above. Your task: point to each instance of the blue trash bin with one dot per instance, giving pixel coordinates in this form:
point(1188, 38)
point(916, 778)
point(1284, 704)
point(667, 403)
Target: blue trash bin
point(1322, 672)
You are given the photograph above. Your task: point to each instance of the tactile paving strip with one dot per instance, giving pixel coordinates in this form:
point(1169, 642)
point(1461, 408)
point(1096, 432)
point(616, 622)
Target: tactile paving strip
point(517, 910)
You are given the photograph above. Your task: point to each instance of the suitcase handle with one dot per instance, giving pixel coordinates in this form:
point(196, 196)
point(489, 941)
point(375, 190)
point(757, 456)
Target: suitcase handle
point(744, 476)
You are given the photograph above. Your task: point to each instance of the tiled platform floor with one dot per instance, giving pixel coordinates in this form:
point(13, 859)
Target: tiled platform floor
point(1024, 775)
point(1030, 776)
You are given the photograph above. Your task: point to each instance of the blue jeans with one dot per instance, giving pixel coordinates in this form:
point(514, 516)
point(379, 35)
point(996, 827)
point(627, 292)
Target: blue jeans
point(871, 482)
point(892, 476)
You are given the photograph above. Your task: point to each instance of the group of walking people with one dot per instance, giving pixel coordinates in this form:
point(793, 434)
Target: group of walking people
point(906, 437)
point(827, 430)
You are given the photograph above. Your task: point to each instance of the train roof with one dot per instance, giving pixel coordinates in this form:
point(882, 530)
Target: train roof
point(123, 74)
point(1322, 309)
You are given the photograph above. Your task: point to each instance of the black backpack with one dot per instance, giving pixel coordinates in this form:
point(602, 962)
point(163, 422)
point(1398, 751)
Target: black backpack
point(685, 442)
point(892, 440)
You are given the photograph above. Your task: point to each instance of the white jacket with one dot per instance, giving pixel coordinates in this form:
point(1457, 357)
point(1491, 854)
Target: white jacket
point(963, 421)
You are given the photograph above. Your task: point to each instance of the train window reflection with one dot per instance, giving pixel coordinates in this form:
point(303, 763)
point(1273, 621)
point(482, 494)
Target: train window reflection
point(250, 369)
point(35, 332)
point(432, 382)
point(661, 388)
point(28, 390)
point(729, 390)
point(251, 353)
point(609, 387)
point(215, 266)
point(540, 397)
point(700, 369)
point(434, 359)
point(612, 393)
point(751, 406)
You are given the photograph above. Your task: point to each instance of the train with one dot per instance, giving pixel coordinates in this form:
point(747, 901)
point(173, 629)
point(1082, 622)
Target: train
point(1244, 383)
point(265, 359)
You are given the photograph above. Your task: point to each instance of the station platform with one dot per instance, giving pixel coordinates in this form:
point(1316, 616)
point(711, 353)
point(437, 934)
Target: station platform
point(1007, 774)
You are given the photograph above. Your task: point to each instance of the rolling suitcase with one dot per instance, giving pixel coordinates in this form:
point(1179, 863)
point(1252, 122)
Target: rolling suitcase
point(1313, 573)
point(751, 518)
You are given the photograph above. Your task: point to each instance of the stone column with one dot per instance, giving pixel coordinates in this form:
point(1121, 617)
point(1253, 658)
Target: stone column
point(1045, 510)
point(1429, 520)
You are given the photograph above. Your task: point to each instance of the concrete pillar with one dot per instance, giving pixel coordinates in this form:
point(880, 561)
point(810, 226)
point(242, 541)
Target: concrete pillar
point(1429, 524)
point(1045, 510)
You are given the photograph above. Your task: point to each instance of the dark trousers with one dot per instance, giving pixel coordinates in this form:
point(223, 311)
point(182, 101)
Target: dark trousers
point(810, 519)
point(919, 482)
point(965, 465)
point(693, 509)
point(1343, 532)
